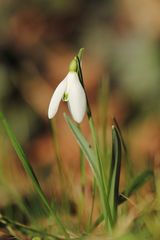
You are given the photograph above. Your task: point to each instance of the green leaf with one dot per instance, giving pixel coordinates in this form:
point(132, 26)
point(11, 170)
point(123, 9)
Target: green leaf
point(25, 229)
point(29, 170)
point(128, 163)
point(84, 145)
point(95, 166)
point(27, 166)
point(137, 182)
point(120, 135)
point(114, 175)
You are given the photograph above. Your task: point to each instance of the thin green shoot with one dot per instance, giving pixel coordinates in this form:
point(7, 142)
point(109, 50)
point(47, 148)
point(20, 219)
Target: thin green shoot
point(29, 170)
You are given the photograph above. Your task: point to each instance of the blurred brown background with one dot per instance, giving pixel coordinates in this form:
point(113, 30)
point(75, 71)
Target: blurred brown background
point(38, 39)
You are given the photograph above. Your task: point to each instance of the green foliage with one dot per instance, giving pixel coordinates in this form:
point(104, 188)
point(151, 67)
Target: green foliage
point(136, 183)
point(134, 186)
point(111, 195)
point(85, 146)
point(96, 165)
point(106, 169)
point(29, 170)
point(114, 175)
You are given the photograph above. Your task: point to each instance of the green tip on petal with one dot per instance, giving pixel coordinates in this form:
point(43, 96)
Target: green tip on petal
point(73, 66)
point(65, 97)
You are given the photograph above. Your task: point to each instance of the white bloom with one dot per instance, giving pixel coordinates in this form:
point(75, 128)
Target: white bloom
point(71, 91)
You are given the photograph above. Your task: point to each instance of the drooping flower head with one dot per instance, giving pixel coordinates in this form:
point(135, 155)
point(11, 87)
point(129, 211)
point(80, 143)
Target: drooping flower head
point(71, 91)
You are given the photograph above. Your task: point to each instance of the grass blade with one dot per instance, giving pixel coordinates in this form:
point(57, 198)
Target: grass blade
point(137, 182)
point(120, 135)
point(29, 170)
point(114, 175)
point(6, 222)
point(128, 163)
point(85, 146)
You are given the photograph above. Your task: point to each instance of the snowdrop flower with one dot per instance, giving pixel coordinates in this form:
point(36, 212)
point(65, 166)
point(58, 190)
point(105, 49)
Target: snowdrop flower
point(71, 91)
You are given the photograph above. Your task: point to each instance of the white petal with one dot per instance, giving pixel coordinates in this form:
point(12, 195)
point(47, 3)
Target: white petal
point(56, 98)
point(77, 97)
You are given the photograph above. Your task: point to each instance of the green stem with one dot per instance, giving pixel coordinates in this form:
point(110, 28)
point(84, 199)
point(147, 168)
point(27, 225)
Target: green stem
point(102, 187)
point(57, 152)
point(104, 198)
point(82, 167)
point(93, 200)
point(62, 175)
point(96, 223)
point(103, 96)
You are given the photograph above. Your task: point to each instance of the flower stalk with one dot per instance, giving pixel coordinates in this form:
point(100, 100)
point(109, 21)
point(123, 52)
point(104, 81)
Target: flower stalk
point(102, 187)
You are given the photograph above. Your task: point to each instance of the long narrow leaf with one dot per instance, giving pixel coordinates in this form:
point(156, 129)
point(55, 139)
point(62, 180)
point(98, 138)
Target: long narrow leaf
point(114, 176)
point(29, 170)
point(6, 222)
point(27, 166)
point(88, 152)
point(84, 145)
point(120, 135)
point(128, 163)
point(137, 182)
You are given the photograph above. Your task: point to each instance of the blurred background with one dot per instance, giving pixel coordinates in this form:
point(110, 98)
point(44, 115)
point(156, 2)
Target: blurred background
point(38, 39)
